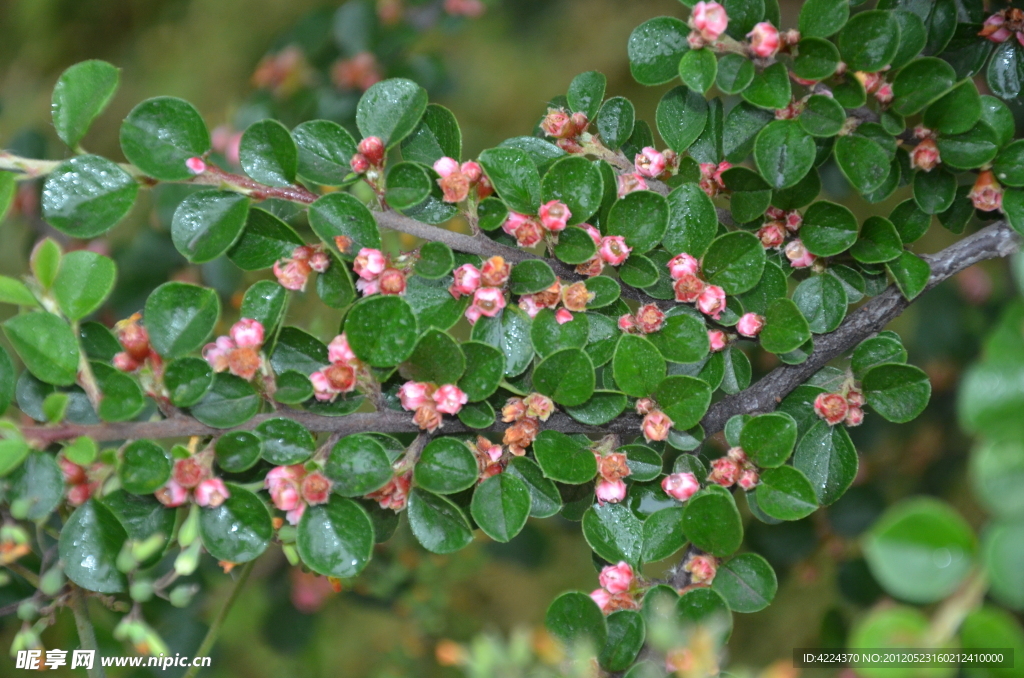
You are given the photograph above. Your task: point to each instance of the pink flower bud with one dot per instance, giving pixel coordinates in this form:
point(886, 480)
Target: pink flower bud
point(338, 351)
point(688, 288)
point(764, 40)
point(794, 220)
point(854, 416)
point(602, 598)
point(680, 486)
point(748, 480)
point(196, 165)
point(79, 494)
point(450, 399)
point(538, 406)
point(854, 398)
point(750, 324)
point(446, 166)
point(774, 213)
point(884, 94)
point(373, 149)
point(280, 476)
point(554, 215)
point(711, 301)
point(724, 471)
point(124, 362)
point(656, 426)
point(558, 124)
point(171, 495)
point(316, 489)
point(467, 280)
point(630, 183)
point(616, 578)
point(645, 406)
point(292, 275)
point(737, 455)
point(392, 281)
point(613, 249)
point(189, 472)
point(591, 267)
point(994, 30)
point(832, 407)
point(247, 333)
point(579, 121)
point(359, 163)
point(717, 174)
point(473, 314)
point(322, 389)
point(798, 255)
point(925, 155)
point(72, 472)
point(702, 568)
point(295, 515)
point(717, 339)
point(514, 221)
point(649, 318)
point(627, 323)
point(563, 316)
point(772, 234)
point(320, 261)
point(341, 377)
point(414, 395)
point(987, 194)
point(529, 234)
point(369, 263)
point(710, 19)
point(611, 492)
point(211, 493)
point(495, 272)
point(594, 234)
point(368, 287)
point(489, 301)
point(528, 303)
point(683, 264)
point(454, 187)
point(649, 162)
point(472, 170)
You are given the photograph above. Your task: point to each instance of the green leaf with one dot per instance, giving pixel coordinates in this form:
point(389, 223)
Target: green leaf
point(910, 221)
point(264, 301)
point(1001, 552)
point(698, 69)
point(141, 517)
point(122, 398)
point(268, 153)
point(437, 136)
point(239, 529)
point(614, 533)
point(264, 240)
point(822, 116)
point(989, 627)
point(437, 523)
point(772, 286)
point(285, 441)
point(446, 465)
point(875, 351)
point(920, 550)
point(144, 468)
point(8, 377)
point(575, 619)
point(827, 457)
point(682, 339)
point(828, 229)
point(663, 534)
point(325, 151)
point(869, 40)
point(575, 246)
point(437, 358)
point(684, 399)
point(747, 582)
point(207, 223)
point(910, 272)
point(563, 458)
point(655, 48)
point(637, 366)
point(83, 281)
point(681, 116)
point(485, 367)
point(299, 351)
point(998, 116)
point(509, 332)
point(768, 439)
point(586, 91)
point(238, 451)
point(770, 88)
point(712, 521)
point(816, 59)
point(514, 176)
point(692, 221)
point(500, 506)
point(408, 185)
point(391, 110)
point(705, 607)
point(88, 546)
point(784, 153)
point(179, 317)
point(342, 214)
point(37, 484)
point(879, 242)
point(976, 147)
point(46, 345)
point(897, 392)
point(822, 18)
point(740, 130)
point(735, 262)
point(381, 330)
point(956, 112)
point(231, 401)
point(87, 195)
point(934, 191)
point(548, 335)
point(15, 292)
point(358, 464)
point(626, 634)
point(160, 134)
point(615, 121)
point(785, 328)
point(1005, 73)
point(531, 276)
point(545, 500)
point(997, 476)
point(82, 92)
point(822, 300)
point(577, 182)
point(335, 539)
point(786, 493)
point(863, 161)
point(921, 82)
point(565, 376)
point(735, 73)
point(436, 260)
point(641, 217)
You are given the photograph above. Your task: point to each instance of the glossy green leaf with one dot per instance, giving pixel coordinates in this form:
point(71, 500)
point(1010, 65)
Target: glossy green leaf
point(626, 633)
point(919, 83)
point(391, 110)
point(997, 476)
point(735, 262)
point(934, 191)
point(563, 458)
point(408, 185)
point(514, 176)
point(565, 376)
point(878, 243)
point(82, 92)
point(747, 582)
point(614, 533)
point(358, 464)
point(83, 282)
point(785, 328)
point(122, 398)
point(180, 317)
point(437, 523)
point(207, 223)
point(230, 401)
point(956, 112)
point(655, 48)
point(816, 59)
point(144, 468)
point(786, 493)
point(238, 530)
point(341, 214)
point(381, 330)
point(698, 69)
point(712, 522)
point(325, 151)
point(822, 18)
point(264, 301)
point(238, 451)
point(545, 500)
point(575, 246)
point(637, 366)
point(863, 161)
point(574, 618)
point(285, 441)
point(577, 183)
point(828, 229)
point(586, 92)
point(531, 276)
point(438, 135)
point(827, 457)
point(446, 465)
point(88, 546)
point(692, 221)
point(663, 534)
point(268, 153)
point(740, 130)
point(500, 506)
point(681, 116)
point(160, 134)
point(509, 332)
point(264, 240)
point(86, 195)
point(911, 274)
point(335, 539)
point(642, 218)
point(822, 116)
point(897, 392)
point(46, 345)
point(1002, 552)
point(735, 73)
point(770, 88)
point(768, 439)
point(436, 260)
point(784, 153)
point(869, 40)
point(684, 399)
point(910, 222)
point(615, 121)
point(822, 300)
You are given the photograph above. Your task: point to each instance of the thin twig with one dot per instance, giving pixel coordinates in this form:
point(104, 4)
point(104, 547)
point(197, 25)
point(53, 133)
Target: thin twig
point(86, 633)
point(218, 622)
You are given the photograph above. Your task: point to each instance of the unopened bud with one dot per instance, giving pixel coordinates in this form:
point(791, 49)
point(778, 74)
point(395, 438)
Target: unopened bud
point(188, 560)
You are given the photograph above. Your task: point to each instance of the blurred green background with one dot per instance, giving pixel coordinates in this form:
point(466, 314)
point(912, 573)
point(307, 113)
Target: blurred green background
point(496, 73)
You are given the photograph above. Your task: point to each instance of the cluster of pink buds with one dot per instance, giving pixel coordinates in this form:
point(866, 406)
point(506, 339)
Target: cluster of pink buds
point(876, 85)
point(552, 219)
point(711, 181)
point(764, 40)
point(376, 273)
point(292, 489)
point(734, 469)
point(702, 568)
point(369, 155)
point(489, 457)
point(778, 225)
point(238, 351)
point(616, 582)
point(77, 483)
point(486, 284)
point(680, 486)
point(430, 401)
point(572, 298)
point(708, 21)
point(612, 468)
point(565, 127)
point(845, 407)
point(457, 180)
point(134, 339)
point(1003, 24)
point(649, 318)
point(652, 163)
point(472, 9)
point(193, 476)
point(395, 494)
point(925, 156)
point(611, 250)
point(361, 72)
point(293, 272)
point(987, 193)
point(690, 289)
point(342, 375)
point(525, 415)
point(656, 424)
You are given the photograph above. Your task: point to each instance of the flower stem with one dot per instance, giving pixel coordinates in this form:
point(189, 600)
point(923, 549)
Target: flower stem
point(218, 622)
point(86, 634)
